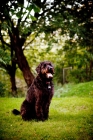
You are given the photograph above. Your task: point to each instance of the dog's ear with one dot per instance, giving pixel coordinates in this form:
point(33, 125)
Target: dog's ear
point(38, 68)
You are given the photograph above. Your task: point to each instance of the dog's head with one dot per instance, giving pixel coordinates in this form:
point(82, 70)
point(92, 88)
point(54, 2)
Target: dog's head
point(46, 69)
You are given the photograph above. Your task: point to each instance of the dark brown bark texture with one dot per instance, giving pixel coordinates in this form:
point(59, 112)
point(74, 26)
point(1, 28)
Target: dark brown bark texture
point(17, 43)
point(13, 85)
point(23, 65)
point(11, 69)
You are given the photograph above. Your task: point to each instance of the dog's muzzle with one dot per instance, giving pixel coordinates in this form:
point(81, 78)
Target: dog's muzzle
point(49, 75)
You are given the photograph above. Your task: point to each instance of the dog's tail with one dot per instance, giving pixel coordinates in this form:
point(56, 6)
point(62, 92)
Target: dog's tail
point(16, 112)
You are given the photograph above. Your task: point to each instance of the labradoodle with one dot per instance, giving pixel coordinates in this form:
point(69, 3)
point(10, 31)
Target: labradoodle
point(39, 94)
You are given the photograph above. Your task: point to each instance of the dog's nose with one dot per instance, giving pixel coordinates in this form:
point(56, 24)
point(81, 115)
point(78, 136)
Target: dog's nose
point(50, 67)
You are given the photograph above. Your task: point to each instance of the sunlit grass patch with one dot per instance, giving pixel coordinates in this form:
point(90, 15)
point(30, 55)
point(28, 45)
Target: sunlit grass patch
point(80, 90)
point(70, 118)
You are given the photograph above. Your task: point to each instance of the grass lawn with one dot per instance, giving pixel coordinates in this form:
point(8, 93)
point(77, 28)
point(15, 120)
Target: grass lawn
point(70, 118)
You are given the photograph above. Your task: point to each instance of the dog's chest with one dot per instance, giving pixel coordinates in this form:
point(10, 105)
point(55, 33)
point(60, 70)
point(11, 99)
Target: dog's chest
point(43, 85)
point(48, 86)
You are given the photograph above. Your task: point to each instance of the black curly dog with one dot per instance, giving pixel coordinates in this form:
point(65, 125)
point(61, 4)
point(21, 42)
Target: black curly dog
point(39, 94)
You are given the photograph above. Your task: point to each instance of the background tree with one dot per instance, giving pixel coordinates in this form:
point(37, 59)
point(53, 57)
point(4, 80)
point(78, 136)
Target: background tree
point(83, 18)
point(76, 20)
point(19, 20)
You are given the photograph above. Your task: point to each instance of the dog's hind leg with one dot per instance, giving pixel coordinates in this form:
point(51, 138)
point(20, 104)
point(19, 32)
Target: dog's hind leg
point(27, 111)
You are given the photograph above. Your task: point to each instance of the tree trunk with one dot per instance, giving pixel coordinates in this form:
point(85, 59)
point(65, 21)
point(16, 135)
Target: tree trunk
point(16, 46)
point(23, 65)
point(13, 85)
point(11, 71)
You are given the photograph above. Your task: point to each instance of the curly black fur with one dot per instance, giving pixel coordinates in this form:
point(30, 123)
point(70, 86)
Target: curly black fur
point(39, 95)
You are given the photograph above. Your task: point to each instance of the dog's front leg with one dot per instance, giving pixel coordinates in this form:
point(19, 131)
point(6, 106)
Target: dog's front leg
point(46, 110)
point(39, 110)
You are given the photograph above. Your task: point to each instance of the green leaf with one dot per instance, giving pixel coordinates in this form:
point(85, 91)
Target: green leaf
point(18, 14)
point(30, 7)
point(33, 18)
point(36, 8)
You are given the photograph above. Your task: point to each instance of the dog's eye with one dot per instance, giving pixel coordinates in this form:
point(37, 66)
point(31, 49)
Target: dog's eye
point(44, 65)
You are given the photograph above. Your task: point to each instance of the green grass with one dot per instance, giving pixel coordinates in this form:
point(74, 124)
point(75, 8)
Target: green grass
point(80, 90)
point(70, 117)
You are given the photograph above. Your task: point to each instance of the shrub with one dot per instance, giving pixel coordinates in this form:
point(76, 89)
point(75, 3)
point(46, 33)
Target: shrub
point(79, 75)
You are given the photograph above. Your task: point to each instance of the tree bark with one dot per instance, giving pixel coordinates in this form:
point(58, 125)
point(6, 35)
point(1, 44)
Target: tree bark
point(13, 85)
point(16, 45)
point(23, 65)
point(11, 69)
